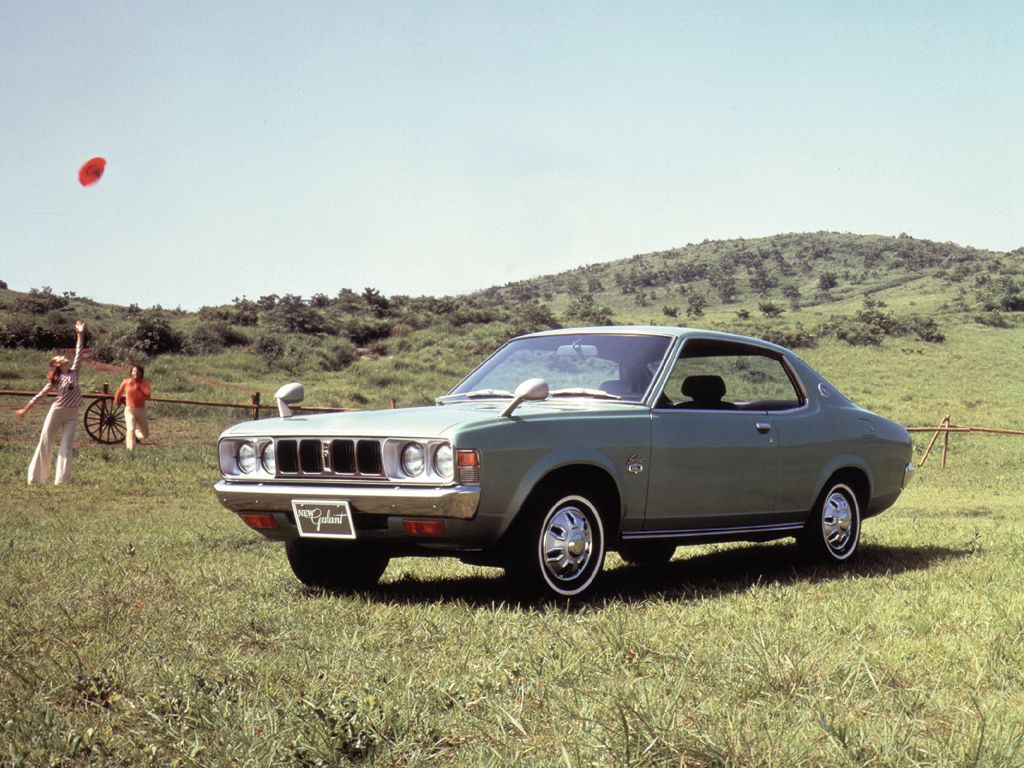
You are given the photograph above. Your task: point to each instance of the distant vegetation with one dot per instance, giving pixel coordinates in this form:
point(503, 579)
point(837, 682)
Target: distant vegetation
point(793, 289)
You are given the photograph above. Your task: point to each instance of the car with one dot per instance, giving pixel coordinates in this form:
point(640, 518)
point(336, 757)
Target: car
point(564, 445)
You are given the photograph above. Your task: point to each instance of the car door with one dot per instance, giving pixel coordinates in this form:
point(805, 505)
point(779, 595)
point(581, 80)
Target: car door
point(710, 469)
point(716, 459)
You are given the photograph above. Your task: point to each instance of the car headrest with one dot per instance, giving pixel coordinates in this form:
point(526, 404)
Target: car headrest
point(704, 389)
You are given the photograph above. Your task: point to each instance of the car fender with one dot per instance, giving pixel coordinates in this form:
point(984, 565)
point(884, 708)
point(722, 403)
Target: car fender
point(560, 458)
point(838, 463)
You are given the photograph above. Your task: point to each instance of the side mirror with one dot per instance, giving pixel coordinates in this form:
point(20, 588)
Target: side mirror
point(289, 394)
point(531, 389)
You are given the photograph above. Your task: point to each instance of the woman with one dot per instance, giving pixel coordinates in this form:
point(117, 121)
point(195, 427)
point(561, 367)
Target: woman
point(62, 417)
point(134, 392)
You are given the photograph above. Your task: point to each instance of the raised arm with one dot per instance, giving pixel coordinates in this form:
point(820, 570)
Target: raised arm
point(79, 336)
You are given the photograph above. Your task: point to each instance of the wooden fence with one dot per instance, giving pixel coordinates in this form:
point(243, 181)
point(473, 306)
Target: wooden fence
point(945, 428)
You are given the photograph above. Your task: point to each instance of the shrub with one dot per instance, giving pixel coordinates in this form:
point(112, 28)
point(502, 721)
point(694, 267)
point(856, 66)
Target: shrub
point(33, 332)
point(339, 355)
point(993, 319)
point(795, 338)
point(39, 302)
point(361, 330)
point(149, 335)
point(583, 311)
point(532, 316)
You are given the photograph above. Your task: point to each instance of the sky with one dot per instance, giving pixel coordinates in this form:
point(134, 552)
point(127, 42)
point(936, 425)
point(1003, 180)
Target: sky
point(444, 147)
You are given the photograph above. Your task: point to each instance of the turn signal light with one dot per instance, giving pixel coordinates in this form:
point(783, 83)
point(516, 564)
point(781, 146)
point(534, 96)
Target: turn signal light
point(259, 520)
point(424, 527)
point(468, 463)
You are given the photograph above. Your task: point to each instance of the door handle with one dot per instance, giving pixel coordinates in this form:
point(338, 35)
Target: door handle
point(763, 428)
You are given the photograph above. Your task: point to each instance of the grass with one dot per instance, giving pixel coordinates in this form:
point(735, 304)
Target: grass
point(142, 624)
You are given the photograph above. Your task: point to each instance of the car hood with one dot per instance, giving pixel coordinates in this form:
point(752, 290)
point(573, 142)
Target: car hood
point(427, 421)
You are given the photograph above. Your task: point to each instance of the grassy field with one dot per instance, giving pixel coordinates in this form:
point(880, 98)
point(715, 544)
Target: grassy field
point(140, 623)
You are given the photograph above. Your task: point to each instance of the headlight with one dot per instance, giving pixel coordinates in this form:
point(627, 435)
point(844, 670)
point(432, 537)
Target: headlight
point(444, 462)
point(246, 457)
point(269, 458)
point(413, 459)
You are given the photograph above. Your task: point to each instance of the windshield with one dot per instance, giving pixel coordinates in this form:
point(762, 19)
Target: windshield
point(614, 364)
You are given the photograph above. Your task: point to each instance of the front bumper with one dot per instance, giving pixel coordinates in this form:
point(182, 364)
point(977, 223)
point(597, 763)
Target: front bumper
point(459, 502)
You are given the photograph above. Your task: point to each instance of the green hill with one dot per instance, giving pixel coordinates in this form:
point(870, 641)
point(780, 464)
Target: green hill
point(826, 293)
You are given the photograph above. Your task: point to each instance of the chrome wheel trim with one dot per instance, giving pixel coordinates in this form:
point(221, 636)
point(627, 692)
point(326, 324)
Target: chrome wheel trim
point(571, 543)
point(840, 522)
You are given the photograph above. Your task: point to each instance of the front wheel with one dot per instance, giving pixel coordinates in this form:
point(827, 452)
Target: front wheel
point(336, 567)
point(562, 546)
point(832, 532)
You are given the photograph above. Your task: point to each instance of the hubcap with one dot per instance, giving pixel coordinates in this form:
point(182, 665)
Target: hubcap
point(837, 522)
point(567, 543)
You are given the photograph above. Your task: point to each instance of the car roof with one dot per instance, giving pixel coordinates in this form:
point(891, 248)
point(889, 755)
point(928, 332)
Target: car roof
point(658, 330)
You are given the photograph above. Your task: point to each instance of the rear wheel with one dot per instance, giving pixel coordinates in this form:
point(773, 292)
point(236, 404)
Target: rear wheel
point(561, 546)
point(832, 532)
point(338, 567)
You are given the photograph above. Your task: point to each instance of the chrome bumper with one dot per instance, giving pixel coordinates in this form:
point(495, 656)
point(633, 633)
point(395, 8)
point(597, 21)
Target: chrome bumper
point(459, 502)
point(908, 474)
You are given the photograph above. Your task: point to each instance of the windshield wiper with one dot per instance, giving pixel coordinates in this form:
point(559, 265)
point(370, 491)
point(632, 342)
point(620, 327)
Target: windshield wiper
point(476, 393)
point(583, 392)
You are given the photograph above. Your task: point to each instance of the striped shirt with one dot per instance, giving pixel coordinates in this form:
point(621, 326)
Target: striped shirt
point(69, 394)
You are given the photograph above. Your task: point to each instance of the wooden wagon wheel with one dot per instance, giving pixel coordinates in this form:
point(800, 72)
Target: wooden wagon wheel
point(104, 421)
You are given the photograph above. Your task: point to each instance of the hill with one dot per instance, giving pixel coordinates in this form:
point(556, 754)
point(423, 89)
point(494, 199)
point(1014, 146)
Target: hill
point(824, 291)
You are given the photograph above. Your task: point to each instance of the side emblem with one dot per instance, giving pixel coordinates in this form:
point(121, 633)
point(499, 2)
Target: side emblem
point(635, 465)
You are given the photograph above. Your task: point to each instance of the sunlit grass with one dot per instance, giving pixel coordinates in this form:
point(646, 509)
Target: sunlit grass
point(140, 623)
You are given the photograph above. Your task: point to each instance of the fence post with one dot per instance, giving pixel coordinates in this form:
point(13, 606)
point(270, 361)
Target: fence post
point(945, 445)
point(255, 406)
point(928, 450)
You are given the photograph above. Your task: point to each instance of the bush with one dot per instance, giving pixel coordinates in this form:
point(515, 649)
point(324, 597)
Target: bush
point(149, 335)
point(993, 319)
point(39, 302)
point(583, 311)
point(796, 338)
point(361, 330)
point(50, 332)
point(339, 355)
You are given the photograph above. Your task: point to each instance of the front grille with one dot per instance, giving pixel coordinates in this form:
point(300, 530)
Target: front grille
point(287, 457)
point(343, 457)
point(368, 455)
point(328, 458)
point(311, 458)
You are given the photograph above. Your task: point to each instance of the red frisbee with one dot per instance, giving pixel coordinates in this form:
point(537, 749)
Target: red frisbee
point(92, 170)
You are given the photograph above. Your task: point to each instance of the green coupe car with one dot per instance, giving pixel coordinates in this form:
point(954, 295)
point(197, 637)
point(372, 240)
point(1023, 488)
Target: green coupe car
point(563, 445)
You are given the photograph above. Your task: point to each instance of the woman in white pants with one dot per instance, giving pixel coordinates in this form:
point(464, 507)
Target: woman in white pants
point(62, 418)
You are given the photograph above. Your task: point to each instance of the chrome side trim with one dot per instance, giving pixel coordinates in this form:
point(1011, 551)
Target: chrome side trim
point(459, 501)
point(697, 532)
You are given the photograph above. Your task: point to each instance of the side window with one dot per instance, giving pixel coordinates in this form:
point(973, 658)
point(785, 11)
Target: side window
point(719, 376)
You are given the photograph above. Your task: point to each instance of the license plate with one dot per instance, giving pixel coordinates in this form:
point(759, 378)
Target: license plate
point(324, 519)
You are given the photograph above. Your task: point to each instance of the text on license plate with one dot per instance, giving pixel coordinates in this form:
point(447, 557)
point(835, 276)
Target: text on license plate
point(324, 519)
